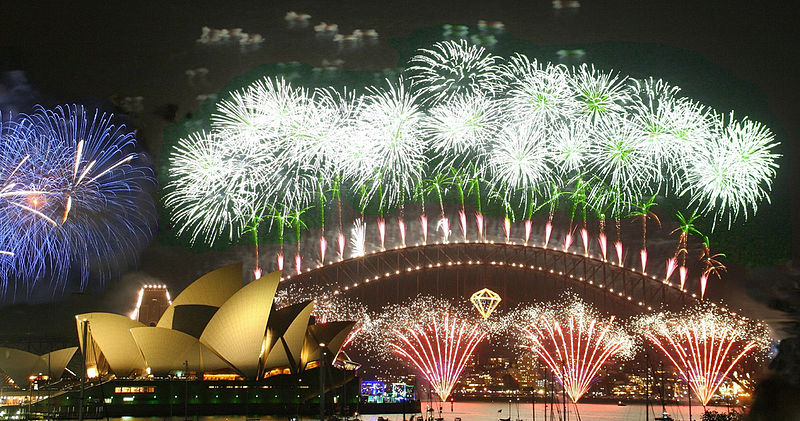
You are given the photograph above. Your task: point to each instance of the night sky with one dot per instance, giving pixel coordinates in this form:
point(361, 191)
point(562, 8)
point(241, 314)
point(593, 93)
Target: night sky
point(58, 51)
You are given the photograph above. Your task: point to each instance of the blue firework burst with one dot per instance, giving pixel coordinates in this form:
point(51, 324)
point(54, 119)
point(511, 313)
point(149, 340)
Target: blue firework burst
point(79, 205)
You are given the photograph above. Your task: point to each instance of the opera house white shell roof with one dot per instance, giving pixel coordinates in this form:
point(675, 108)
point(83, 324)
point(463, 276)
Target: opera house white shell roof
point(20, 365)
point(227, 328)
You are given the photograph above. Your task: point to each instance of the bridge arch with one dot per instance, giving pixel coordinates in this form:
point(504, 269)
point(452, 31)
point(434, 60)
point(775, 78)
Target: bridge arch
point(586, 273)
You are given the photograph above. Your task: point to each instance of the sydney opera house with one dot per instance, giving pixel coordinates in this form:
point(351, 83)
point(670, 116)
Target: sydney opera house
point(218, 348)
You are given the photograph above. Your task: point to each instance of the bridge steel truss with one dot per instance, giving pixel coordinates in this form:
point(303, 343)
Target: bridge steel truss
point(607, 279)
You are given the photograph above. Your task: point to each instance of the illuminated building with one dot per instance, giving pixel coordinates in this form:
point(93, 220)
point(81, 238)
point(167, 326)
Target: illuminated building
point(153, 301)
point(215, 326)
point(218, 348)
point(21, 366)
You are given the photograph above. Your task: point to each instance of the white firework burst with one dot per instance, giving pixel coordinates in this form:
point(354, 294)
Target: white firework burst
point(522, 128)
point(602, 96)
point(316, 131)
point(734, 172)
point(261, 113)
point(539, 92)
point(451, 68)
point(673, 127)
point(619, 158)
point(216, 186)
point(459, 129)
point(389, 124)
point(519, 162)
point(569, 147)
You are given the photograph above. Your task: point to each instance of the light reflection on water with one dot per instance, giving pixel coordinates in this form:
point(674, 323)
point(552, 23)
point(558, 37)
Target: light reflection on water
point(488, 411)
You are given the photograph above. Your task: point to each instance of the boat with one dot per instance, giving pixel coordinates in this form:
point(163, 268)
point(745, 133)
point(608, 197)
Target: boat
point(664, 417)
point(620, 403)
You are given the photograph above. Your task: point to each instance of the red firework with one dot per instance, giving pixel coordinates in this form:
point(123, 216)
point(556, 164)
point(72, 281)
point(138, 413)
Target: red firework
point(704, 344)
point(439, 350)
point(575, 342)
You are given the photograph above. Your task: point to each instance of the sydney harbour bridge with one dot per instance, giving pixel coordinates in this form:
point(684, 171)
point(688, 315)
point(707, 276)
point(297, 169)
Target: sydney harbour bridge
point(518, 272)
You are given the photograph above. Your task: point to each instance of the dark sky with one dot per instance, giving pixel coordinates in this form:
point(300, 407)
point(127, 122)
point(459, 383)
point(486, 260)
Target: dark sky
point(89, 51)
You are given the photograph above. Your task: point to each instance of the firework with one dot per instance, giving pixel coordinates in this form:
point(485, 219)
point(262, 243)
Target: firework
point(734, 172)
point(539, 92)
point(619, 159)
point(528, 227)
point(519, 162)
point(574, 341)
point(674, 127)
point(216, 187)
point(463, 120)
point(439, 350)
point(602, 96)
point(453, 68)
point(358, 238)
point(401, 226)
point(704, 344)
point(459, 130)
point(389, 124)
point(76, 200)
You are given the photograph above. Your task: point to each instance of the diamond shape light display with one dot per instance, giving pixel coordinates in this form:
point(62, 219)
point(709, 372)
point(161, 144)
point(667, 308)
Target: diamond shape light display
point(485, 301)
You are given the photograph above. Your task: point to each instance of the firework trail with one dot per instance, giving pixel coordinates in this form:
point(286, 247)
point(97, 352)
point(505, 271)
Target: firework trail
point(603, 241)
point(444, 226)
point(479, 224)
point(462, 222)
point(401, 226)
point(548, 230)
point(341, 241)
point(381, 231)
point(568, 240)
point(573, 340)
point(528, 228)
point(423, 222)
point(358, 238)
point(704, 344)
point(585, 239)
point(323, 247)
point(79, 191)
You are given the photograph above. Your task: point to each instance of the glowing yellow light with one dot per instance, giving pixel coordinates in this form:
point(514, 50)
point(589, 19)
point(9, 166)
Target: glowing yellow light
point(485, 301)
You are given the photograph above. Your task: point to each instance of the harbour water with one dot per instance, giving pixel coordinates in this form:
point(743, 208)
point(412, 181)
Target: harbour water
point(492, 411)
point(483, 411)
